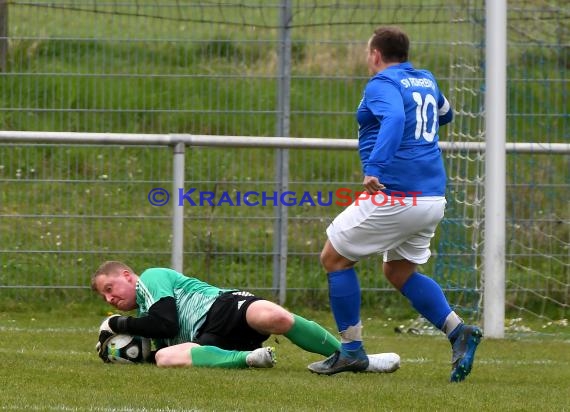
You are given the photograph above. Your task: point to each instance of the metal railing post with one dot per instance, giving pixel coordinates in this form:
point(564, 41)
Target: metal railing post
point(282, 155)
point(178, 209)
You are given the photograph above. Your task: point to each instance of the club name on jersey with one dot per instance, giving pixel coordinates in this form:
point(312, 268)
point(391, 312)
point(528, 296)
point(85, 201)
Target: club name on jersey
point(415, 82)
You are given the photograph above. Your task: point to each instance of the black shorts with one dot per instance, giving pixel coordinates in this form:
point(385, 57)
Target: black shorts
point(226, 326)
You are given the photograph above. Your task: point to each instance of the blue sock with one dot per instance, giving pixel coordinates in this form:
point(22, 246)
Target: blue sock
point(344, 296)
point(427, 297)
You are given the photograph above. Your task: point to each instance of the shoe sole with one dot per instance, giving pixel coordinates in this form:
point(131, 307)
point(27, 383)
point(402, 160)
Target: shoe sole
point(339, 370)
point(346, 368)
point(466, 364)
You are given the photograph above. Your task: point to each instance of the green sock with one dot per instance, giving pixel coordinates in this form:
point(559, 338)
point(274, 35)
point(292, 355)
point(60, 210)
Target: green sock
point(214, 357)
point(312, 337)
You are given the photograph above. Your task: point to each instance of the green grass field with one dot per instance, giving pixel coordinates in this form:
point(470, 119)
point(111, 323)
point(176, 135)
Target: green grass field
point(49, 364)
point(87, 72)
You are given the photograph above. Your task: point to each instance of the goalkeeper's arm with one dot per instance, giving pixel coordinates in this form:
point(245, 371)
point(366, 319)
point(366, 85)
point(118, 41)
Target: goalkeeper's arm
point(161, 321)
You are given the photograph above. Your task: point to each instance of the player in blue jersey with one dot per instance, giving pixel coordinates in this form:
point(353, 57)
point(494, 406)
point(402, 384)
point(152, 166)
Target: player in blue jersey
point(195, 323)
point(398, 118)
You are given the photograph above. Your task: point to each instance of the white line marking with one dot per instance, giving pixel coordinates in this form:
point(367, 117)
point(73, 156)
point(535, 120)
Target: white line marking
point(494, 361)
point(45, 330)
point(28, 407)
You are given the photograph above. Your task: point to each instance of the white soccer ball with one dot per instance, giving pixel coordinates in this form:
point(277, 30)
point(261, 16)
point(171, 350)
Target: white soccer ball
point(128, 349)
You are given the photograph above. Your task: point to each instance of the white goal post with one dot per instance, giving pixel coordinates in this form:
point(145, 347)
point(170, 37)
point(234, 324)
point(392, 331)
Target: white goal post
point(495, 168)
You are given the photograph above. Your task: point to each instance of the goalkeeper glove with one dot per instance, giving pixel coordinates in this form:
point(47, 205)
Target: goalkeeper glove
point(105, 332)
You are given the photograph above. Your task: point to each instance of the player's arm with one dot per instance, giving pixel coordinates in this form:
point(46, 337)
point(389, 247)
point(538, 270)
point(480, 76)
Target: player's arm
point(160, 322)
point(385, 102)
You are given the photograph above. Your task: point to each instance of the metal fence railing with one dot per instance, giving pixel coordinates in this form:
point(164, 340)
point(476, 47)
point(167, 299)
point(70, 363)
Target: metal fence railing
point(261, 68)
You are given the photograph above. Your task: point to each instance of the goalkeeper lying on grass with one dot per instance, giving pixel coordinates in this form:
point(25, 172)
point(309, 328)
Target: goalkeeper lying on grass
point(203, 325)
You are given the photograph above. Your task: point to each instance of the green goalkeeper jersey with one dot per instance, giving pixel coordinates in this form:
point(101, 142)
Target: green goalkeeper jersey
point(193, 299)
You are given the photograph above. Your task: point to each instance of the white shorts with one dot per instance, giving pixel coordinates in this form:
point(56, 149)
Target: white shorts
point(399, 231)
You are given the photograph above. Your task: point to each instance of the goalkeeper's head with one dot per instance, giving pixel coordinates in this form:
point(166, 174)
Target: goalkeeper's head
point(116, 283)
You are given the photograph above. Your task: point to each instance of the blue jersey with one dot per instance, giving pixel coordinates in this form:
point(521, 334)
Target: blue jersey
point(399, 118)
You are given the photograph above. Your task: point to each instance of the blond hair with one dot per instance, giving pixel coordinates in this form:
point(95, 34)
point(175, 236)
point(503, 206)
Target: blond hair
point(109, 268)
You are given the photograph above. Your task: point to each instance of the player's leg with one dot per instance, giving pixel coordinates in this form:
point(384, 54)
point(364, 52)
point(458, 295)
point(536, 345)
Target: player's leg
point(418, 225)
point(175, 355)
point(269, 318)
point(344, 297)
point(192, 354)
point(351, 236)
point(427, 297)
point(425, 294)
